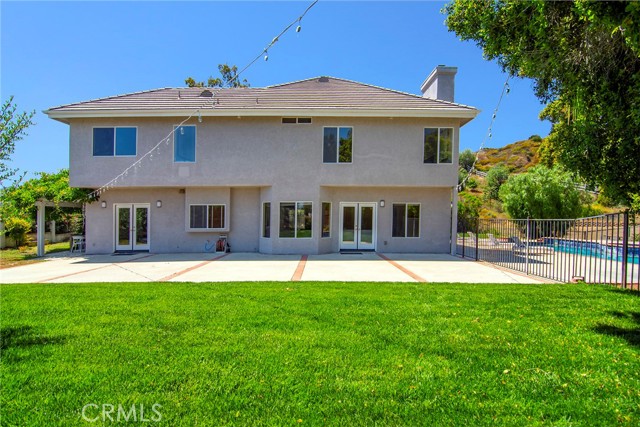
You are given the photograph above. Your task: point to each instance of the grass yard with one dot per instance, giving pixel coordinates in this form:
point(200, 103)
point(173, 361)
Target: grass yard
point(27, 254)
point(356, 354)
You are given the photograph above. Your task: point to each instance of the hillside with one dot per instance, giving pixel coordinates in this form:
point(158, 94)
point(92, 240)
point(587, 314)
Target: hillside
point(518, 157)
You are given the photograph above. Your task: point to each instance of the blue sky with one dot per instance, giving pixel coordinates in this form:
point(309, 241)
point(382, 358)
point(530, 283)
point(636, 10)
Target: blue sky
point(54, 53)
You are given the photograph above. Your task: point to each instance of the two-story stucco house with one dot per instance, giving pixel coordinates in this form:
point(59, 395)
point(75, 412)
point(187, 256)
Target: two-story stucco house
point(313, 166)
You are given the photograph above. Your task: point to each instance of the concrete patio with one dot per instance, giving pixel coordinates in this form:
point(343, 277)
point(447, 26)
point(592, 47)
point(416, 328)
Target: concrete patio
point(218, 267)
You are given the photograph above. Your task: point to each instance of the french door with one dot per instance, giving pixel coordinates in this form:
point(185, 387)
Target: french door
point(132, 227)
point(358, 226)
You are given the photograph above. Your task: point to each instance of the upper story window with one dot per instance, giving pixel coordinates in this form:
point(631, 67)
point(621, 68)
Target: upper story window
point(438, 145)
point(114, 141)
point(338, 145)
point(184, 144)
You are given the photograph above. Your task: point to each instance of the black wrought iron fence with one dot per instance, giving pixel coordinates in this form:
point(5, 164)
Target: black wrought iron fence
point(601, 249)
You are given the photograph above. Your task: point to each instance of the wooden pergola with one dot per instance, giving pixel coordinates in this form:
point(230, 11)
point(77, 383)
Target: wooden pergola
point(42, 204)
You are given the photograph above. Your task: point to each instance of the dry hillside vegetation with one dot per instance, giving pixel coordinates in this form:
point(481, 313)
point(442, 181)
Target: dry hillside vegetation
point(518, 157)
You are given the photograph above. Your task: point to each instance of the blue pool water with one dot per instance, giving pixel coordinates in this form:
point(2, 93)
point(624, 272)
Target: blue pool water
point(593, 249)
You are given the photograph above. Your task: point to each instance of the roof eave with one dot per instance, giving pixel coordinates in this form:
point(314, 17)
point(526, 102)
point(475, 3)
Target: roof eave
point(467, 113)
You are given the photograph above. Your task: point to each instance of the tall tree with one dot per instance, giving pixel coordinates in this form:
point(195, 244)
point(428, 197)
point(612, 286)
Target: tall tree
point(228, 78)
point(466, 159)
point(541, 193)
point(496, 176)
point(13, 128)
point(584, 59)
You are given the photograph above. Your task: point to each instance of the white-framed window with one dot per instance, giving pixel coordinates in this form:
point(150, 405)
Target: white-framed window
point(115, 141)
point(438, 145)
point(296, 120)
point(325, 227)
point(184, 144)
point(207, 217)
point(406, 220)
point(266, 219)
point(337, 145)
point(296, 219)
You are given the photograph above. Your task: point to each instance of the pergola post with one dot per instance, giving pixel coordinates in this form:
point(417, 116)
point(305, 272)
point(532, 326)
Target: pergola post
point(52, 228)
point(40, 228)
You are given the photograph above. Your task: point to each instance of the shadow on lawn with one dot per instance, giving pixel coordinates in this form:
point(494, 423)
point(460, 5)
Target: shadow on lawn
point(632, 335)
point(25, 336)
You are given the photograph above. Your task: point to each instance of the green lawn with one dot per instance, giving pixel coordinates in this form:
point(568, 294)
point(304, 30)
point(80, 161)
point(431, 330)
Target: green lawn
point(280, 354)
point(27, 255)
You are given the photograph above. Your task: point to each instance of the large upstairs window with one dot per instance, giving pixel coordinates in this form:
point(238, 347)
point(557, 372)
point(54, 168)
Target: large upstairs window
point(337, 145)
point(438, 145)
point(114, 141)
point(184, 144)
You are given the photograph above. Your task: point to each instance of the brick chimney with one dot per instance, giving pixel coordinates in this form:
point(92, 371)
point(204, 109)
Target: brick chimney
point(440, 84)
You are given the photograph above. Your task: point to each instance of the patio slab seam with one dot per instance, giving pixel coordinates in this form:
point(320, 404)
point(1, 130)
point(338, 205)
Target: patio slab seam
point(93, 269)
point(405, 270)
point(297, 275)
point(194, 267)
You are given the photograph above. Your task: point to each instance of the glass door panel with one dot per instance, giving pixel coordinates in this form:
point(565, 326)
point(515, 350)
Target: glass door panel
point(141, 230)
point(123, 228)
point(348, 229)
point(366, 224)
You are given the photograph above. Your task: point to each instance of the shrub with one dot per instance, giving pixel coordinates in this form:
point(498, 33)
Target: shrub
point(17, 229)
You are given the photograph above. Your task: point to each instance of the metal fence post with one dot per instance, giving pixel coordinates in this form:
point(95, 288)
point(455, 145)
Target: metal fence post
point(526, 257)
point(625, 247)
point(463, 242)
point(477, 235)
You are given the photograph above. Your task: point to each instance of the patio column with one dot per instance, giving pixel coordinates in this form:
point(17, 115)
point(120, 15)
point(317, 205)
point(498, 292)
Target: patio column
point(40, 228)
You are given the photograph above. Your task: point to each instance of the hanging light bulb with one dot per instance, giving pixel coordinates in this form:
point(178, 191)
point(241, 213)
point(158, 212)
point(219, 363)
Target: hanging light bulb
point(299, 27)
point(266, 55)
point(181, 130)
point(199, 117)
point(508, 88)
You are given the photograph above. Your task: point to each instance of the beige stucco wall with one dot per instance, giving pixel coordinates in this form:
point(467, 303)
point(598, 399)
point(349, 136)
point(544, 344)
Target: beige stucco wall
point(168, 233)
point(265, 152)
point(244, 162)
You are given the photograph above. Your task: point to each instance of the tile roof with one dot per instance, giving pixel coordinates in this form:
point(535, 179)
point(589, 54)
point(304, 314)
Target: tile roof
point(318, 94)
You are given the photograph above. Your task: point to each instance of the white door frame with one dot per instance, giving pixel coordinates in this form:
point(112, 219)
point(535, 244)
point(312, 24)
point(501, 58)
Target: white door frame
point(357, 243)
point(133, 245)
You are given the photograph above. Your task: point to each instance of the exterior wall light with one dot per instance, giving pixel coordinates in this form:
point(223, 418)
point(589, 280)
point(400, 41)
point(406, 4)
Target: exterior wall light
point(382, 203)
point(103, 204)
point(159, 203)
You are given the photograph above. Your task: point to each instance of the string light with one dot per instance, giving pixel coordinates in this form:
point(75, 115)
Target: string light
point(505, 90)
point(214, 101)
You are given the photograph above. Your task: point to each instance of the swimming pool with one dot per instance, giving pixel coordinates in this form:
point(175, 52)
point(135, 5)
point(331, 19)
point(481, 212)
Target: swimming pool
point(594, 249)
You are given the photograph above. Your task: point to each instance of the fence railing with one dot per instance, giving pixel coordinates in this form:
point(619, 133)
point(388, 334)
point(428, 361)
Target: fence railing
point(601, 249)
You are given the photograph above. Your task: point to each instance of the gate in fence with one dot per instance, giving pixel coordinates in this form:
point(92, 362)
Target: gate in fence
point(600, 249)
